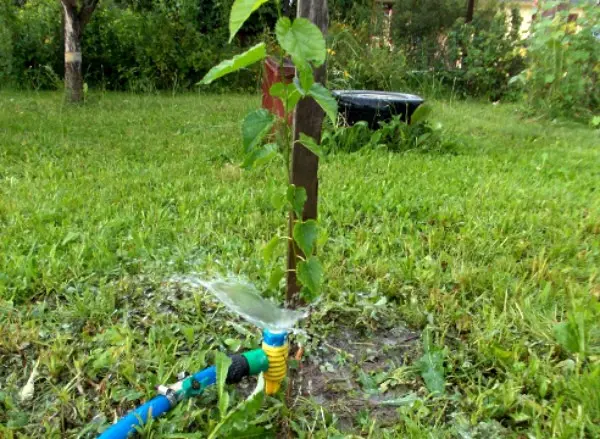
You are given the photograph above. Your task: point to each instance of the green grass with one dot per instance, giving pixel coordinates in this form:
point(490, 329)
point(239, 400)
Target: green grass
point(488, 248)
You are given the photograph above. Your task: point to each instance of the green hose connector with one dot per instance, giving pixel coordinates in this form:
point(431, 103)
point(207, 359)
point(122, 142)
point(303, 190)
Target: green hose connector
point(192, 387)
point(257, 360)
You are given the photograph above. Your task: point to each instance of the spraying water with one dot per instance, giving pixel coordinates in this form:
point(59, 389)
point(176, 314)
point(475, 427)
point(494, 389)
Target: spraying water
point(244, 300)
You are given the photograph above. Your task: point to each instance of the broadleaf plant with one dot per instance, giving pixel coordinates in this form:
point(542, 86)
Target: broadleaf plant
point(267, 136)
point(240, 12)
point(255, 127)
point(431, 365)
point(222, 362)
point(238, 62)
point(305, 235)
point(301, 39)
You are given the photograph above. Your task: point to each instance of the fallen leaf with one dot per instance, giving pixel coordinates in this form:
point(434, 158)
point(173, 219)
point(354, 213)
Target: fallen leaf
point(29, 388)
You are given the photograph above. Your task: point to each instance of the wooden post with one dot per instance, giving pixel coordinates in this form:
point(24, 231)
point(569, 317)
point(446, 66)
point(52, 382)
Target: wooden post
point(309, 120)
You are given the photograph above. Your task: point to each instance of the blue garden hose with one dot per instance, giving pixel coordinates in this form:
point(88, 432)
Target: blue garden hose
point(154, 408)
point(246, 364)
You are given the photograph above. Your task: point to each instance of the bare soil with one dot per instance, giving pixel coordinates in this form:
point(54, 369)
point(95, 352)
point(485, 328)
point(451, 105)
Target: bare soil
point(341, 374)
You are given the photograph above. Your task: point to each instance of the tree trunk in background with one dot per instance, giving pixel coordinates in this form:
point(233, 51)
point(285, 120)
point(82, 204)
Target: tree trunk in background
point(75, 17)
point(72, 33)
point(309, 120)
point(470, 10)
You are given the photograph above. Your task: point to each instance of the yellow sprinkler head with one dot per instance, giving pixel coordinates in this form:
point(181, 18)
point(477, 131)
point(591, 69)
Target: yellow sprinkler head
point(276, 347)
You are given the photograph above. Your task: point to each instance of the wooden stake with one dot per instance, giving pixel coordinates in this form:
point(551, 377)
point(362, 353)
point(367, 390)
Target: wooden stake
point(309, 120)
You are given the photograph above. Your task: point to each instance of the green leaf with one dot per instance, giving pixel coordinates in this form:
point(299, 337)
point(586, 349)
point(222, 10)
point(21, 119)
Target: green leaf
point(302, 39)
point(233, 344)
point(240, 12)
point(520, 417)
point(305, 235)
point(323, 237)
point(310, 274)
point(421, 113)
point(367, 382)
point(408, 400)
point(278, 90)
point(278, 200)
point(565, 336)
point(325, 100)
point(269, 248)
point(311, 144)
point(255, 127)
point(305, 75)
point(275, 278)
point(242, 415)
point(297, 198)
point(249, 57)
point(288, 93)
point(260, 155)
point(431, 366)
point(574, 334)
point(222, 362)
point(520, 78)
point(71, 237)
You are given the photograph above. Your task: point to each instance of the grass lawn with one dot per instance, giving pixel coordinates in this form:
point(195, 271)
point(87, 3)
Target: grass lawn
point(485, 251)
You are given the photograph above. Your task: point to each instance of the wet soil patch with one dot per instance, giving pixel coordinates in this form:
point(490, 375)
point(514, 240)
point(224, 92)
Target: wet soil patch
point(344, 374)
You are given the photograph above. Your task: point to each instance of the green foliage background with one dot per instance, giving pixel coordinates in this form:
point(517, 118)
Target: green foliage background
point(148, 45)
point(128, 44)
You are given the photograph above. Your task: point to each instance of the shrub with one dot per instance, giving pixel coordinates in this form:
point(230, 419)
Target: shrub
point(563, 65)
point(138, 45)
point(395, 136)
point(468, 59)
point(7, 24)
point(419, 28)
point(484, 55)
point(355, 62)
point(352, 12)
point(36, 44)
point(123, 48)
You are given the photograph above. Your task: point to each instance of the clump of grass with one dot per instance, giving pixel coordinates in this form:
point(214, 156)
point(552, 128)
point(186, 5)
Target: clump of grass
point(494, 250)
point(394, 136)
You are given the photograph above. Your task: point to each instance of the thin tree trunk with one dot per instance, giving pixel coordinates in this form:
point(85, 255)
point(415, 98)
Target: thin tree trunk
point(470, 10)
point(309, 120)
point(72, 32)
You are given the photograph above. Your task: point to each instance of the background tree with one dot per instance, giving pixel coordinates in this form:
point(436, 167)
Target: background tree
point(419, 25)
point(470, 10)
point(76, 14)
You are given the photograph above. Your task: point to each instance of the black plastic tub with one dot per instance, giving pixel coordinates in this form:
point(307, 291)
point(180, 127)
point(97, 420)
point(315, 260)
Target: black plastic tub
point(375, 106)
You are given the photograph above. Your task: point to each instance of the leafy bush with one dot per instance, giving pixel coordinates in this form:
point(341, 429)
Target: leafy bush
point(419, 28)
point(123, 49)
point(354, 62)
point(7, 22)
point(33, 35)
point(128, 44)
point(483, 55)
point(563, 65)
point(468, 59)
point(353, 12)
point(395, 136)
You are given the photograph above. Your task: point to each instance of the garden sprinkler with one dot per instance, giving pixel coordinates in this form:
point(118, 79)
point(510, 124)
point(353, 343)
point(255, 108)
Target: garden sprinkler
point(271, 360)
